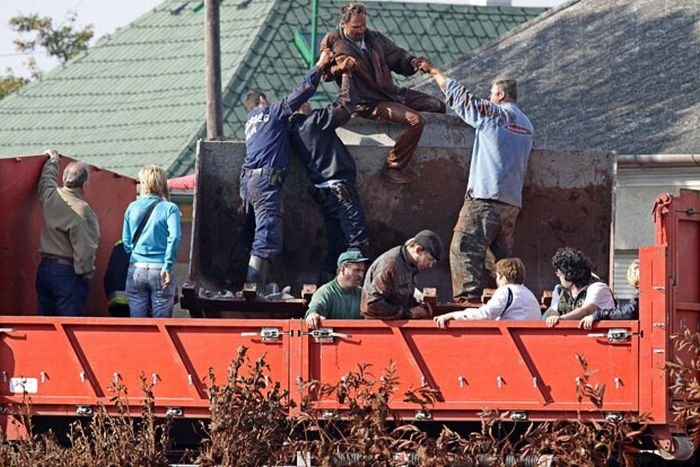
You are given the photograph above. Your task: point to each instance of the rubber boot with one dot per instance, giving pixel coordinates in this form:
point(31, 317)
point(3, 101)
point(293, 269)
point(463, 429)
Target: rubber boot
point(258, 270)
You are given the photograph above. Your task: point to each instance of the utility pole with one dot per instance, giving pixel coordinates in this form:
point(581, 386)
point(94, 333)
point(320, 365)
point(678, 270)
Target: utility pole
point(314, 27)
point(212, 57)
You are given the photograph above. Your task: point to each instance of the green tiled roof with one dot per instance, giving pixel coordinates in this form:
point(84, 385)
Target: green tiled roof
point(138, 96)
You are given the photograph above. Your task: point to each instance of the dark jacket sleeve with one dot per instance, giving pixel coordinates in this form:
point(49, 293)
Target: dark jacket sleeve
point(338, 113)
point(397, 59)
point(629, 310)
point(302, 93)
point(374, 303)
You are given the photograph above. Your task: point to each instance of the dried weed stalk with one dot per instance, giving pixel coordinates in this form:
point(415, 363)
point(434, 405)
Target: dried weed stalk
point(685, 386)
point(249, 418)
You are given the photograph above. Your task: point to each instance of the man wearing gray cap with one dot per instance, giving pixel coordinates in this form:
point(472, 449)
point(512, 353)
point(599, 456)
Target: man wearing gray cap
point(339, 298)
point(389, 289)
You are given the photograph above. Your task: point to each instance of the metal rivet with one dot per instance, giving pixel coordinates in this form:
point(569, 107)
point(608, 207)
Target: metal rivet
point(42, 375)
point(116, 378)
point(4, 377)
point(461, 380)
point(154, 378)
point(499, 381)
point(618, 383)
point(189, 379)
point(534, 382)
point(82, 377)
point(422, 381)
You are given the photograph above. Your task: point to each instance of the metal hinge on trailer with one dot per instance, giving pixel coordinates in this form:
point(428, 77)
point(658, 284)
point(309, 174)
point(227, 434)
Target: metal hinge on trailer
point(616, 335)
point(268, 334)
point(325, 335)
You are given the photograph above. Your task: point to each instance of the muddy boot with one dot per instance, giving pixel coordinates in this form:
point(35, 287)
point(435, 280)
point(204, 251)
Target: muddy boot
point(258, 270)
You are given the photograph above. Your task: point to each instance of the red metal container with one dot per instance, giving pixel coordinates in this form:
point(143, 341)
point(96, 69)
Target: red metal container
point(107, 193)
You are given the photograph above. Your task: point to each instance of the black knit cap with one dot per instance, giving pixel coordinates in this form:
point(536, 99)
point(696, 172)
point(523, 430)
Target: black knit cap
point(430, 242)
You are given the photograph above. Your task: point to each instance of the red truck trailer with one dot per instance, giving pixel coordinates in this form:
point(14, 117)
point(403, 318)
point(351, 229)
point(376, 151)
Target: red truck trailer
point(523, 368)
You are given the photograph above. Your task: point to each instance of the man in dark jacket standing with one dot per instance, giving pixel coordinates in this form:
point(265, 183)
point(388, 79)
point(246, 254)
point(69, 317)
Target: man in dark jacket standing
point(378, 96)
point(265, 168)
point(331, 170)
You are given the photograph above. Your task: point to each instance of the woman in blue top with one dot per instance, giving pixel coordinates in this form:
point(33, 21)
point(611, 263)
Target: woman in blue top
point(150, 283)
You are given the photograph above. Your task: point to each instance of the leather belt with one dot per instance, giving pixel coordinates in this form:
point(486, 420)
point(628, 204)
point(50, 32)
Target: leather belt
point(56, 260)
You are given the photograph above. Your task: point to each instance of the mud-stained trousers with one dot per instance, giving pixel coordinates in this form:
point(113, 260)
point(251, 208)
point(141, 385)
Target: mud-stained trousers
point(407, 115)
point(344, 222)
point(482, 224)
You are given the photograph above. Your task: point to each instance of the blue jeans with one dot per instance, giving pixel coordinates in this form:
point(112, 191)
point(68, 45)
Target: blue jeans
point(262, 221)
point(145, 292)
point(60, 291)
point(344, 220)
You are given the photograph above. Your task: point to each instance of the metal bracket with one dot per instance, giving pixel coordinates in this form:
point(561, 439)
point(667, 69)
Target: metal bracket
point(615, 335)
point(174, 412)
point(325, 335)
point(423, 415)
point(83, 410)
point(518, 415)
point(614, 416)
point(267, 334)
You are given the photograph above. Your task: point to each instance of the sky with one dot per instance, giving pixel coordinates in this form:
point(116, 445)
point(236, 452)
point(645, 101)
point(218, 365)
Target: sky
point(108, 15)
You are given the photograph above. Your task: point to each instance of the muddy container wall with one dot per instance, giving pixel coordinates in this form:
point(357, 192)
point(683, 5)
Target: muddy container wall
point(567, 201)
point(107, 193)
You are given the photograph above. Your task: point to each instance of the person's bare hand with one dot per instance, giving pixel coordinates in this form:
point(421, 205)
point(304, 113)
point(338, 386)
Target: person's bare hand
point(345, 64)
point(53, 154)
point(164, 278)
point(442, 320)
point(422, 64)
point(552, 321)
point(586, 323)
point(325, 58)
point(313, 321)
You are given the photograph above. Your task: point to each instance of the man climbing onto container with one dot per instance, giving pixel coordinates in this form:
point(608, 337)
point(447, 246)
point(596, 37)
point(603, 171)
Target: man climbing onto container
point(70, 234)
point(331, 170)
point(502, 145)
point(339, 298)
point(378, 96)
point(265, 168)
point(389, 291)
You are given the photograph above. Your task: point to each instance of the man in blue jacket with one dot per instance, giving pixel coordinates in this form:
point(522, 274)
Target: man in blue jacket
point(265, 168)
point(332, 172)
point(502, 145)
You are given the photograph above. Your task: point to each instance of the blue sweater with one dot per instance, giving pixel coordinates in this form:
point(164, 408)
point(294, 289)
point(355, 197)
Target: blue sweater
point(160, 237)
point(502, 145)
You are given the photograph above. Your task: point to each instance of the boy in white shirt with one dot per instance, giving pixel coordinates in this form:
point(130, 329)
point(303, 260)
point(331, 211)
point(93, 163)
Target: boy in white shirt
point(511, 301)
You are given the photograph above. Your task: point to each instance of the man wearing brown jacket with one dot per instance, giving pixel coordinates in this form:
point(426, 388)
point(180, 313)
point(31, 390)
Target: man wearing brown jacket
point(69, 238)
point(389, 291)
point(378, 96)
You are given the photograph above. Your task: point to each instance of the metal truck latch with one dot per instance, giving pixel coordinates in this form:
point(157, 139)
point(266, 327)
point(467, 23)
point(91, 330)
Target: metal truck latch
point(267, 334)
point(615, 335)
point(325, 335)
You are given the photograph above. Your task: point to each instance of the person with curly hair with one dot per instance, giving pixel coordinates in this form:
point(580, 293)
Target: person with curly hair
point(579, 292)
point(629, 310)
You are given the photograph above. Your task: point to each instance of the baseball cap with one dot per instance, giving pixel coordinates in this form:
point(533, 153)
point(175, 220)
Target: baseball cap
point(352, 256)
point(430, 242)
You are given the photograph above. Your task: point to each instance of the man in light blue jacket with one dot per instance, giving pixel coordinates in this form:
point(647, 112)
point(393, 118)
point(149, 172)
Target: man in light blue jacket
point(493, 200)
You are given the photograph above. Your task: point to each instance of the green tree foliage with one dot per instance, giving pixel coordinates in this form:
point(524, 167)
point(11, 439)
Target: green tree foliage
point(10, 83)
point(63, 42)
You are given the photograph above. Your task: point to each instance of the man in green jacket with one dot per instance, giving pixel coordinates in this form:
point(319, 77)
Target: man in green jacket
point(339, 298)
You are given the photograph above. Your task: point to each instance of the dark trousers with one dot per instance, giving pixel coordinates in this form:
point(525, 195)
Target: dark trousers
point(60, 291)
point(262, 219)
point(344, 222)
point(482, 224)
point(407, 115)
